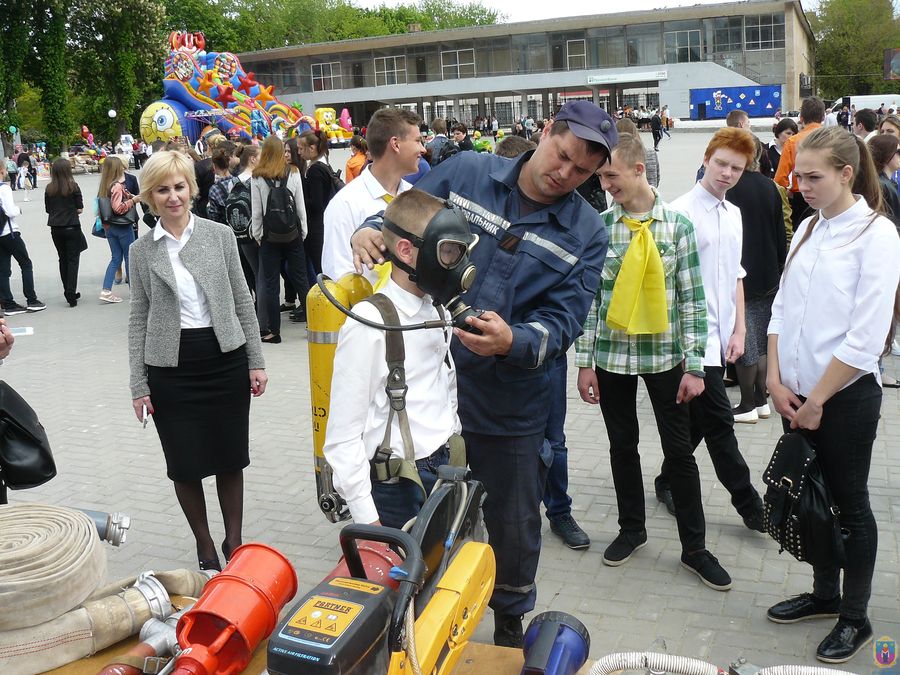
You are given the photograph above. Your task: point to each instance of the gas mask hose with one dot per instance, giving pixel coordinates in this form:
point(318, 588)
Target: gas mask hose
point(320, 281)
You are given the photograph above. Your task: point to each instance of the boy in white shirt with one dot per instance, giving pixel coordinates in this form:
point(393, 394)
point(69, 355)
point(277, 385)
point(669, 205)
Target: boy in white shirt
point(719, 228)
point(359, 418)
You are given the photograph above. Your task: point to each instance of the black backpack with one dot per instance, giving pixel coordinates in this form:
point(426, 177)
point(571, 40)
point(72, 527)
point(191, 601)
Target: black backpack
point(336, 181)
point(280, 225)
point(448, 149)
point(238, 209)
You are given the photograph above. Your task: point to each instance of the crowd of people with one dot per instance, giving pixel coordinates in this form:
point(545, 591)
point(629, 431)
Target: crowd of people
point(671, 291)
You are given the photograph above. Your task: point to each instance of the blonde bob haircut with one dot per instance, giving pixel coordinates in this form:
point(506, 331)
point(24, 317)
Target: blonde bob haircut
point(160, 167)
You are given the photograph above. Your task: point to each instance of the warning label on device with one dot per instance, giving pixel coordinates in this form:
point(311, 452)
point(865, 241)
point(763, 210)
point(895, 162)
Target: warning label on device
point(357, 585)
point(322, 619)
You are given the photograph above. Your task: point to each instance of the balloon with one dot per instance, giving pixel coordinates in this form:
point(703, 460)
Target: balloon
point(12, 129)
point(111, 113)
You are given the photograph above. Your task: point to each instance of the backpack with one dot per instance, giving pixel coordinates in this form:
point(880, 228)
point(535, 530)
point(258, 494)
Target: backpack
point(447, 151)
point(280, 217)
point(336, 181)
point(238, 210)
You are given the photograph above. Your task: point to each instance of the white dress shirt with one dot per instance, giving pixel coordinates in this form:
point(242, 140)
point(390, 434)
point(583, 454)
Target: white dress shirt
point(836, 297)
point(359, 404)
point(346, 211)
point(720, 238)
point(192, 299)
point(10, 209)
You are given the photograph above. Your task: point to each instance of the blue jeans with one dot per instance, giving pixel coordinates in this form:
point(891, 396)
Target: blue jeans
point(556, 497)
point(397, 502)
point(120, 238)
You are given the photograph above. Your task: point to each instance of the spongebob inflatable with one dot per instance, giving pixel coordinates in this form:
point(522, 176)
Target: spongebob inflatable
point(327, 121)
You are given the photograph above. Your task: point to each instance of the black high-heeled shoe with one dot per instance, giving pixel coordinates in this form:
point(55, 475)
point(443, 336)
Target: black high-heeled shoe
point(212, 564)
point(228, 552)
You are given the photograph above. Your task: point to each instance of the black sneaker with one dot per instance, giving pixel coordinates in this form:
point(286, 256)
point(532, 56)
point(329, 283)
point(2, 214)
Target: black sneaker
point(844, 642)
point(620, 550)
point(298, 315)
point(508, 630)
point(756, 520)
point(705, 565)
point(13, 309)
point(565, 526)
point(664, 495)
point(36, 305)
point(803, 607)
point(285, 307)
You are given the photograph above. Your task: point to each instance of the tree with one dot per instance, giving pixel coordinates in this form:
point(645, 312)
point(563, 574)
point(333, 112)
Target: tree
point(50, 74)
point(851, 37)
point(15, 26)
point(117, 49)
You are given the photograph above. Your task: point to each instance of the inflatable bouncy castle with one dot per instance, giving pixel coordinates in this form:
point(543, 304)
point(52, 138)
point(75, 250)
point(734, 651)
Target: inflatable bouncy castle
point(204, 90)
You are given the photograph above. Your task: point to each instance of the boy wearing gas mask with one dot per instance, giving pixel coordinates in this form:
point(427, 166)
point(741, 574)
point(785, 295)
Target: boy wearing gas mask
point(371, 447)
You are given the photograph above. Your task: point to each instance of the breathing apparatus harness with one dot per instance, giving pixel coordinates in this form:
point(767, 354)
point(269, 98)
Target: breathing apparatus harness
point(443, 271)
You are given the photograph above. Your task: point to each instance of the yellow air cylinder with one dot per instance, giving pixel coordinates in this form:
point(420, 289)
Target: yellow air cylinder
point(324, 321)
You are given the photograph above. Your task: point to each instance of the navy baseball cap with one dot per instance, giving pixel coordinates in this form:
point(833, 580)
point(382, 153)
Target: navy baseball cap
point(589, 122)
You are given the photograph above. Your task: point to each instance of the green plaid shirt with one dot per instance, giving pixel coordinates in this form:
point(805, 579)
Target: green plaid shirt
point(685, 341)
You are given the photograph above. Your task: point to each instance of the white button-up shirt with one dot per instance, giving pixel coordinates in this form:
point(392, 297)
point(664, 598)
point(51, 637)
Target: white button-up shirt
point(359, 404)
point(720, 238)
point(356, 201)
point(836, 297)
point(192, 299)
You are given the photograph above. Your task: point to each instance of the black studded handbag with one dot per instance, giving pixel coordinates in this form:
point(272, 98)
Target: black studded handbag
point(800, 513)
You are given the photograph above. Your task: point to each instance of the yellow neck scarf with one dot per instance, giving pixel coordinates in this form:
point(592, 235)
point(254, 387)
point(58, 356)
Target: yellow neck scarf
point(384, 269)
point(638, 303)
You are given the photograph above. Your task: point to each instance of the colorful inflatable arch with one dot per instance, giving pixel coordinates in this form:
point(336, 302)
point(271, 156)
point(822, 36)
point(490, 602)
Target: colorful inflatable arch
point(204, 89)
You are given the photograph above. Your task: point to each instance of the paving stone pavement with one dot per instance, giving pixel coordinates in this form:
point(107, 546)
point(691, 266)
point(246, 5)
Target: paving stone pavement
point(74, 372)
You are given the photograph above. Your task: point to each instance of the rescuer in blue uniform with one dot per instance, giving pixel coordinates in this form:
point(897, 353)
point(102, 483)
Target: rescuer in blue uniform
point(538, 262)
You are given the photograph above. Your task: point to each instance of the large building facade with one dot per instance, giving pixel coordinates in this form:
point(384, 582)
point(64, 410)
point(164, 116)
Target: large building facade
point(507, 70)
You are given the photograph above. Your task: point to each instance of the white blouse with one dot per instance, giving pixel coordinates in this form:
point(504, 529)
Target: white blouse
point(194, 305)
point(836, 297)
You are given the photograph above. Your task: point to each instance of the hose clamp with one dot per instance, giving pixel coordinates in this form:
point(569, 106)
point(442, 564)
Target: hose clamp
point(155, 594)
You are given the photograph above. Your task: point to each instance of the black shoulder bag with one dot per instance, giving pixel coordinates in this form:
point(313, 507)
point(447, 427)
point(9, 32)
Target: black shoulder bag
point(800, 513)
point(25, 457)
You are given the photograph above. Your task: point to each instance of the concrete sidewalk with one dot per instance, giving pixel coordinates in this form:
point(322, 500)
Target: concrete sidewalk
point(74, 372)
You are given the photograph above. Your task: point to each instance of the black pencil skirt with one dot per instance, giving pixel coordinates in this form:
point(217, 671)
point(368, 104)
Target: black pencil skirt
point(202, 408)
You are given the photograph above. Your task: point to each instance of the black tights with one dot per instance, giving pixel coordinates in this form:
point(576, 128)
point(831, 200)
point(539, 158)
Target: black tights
point(752, 380)
point(230, 488)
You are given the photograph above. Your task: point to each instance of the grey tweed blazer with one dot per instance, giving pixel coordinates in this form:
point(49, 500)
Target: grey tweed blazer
point(154, 329)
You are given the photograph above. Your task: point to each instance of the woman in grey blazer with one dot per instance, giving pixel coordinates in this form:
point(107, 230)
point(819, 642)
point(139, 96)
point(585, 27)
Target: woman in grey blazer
point(194, 350)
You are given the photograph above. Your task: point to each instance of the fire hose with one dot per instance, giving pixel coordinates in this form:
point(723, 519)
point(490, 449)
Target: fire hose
point(50, 560)
point(670, 663)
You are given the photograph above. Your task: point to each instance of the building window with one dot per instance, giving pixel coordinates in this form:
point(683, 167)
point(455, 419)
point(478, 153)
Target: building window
point(683, 46)
point(390, 70)
point(326, 76)
point(727, 35)
point(576, 54)
point(457, 64)
point(764, 31)
point(288, 76)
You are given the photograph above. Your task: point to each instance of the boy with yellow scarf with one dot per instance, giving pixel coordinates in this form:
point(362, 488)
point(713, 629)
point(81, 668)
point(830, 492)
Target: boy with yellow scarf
point(648, 319)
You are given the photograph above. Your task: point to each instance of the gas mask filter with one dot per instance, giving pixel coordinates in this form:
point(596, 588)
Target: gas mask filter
point(443, 269)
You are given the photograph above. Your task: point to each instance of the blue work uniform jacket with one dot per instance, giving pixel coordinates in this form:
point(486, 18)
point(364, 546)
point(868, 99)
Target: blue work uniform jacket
point(539, 273)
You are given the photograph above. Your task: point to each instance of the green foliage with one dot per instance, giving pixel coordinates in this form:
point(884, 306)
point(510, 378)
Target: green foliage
point(15, 20)
point(51, 74)
point(851, 36)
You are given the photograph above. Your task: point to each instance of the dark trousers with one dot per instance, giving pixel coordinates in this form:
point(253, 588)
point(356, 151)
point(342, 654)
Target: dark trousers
point(69, 243)
point(513, 473)
point(843, 444)
point(250, 256)
point(13, 246)
point(397, 502)
point(556, 493)
point(712, 420)
point(270, 258)
point(799, 209)
point(617, 402)
point(657, 137)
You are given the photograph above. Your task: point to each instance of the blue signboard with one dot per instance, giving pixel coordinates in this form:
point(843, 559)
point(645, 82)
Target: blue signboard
point(716, 103)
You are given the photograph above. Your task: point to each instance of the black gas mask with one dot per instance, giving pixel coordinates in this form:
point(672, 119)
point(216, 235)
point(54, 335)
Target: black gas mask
point(443, 269)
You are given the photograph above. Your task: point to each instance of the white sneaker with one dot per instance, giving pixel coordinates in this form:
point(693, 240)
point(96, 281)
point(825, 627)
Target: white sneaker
point(764, 411)
point(750, 417)
point(107, 296)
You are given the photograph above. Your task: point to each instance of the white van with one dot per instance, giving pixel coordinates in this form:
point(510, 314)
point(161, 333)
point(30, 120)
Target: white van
point(872, 101)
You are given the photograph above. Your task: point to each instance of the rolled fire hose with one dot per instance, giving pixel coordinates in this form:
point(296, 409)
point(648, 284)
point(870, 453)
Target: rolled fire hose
point(50, 560)
point(800, 670)
point(668, 663)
